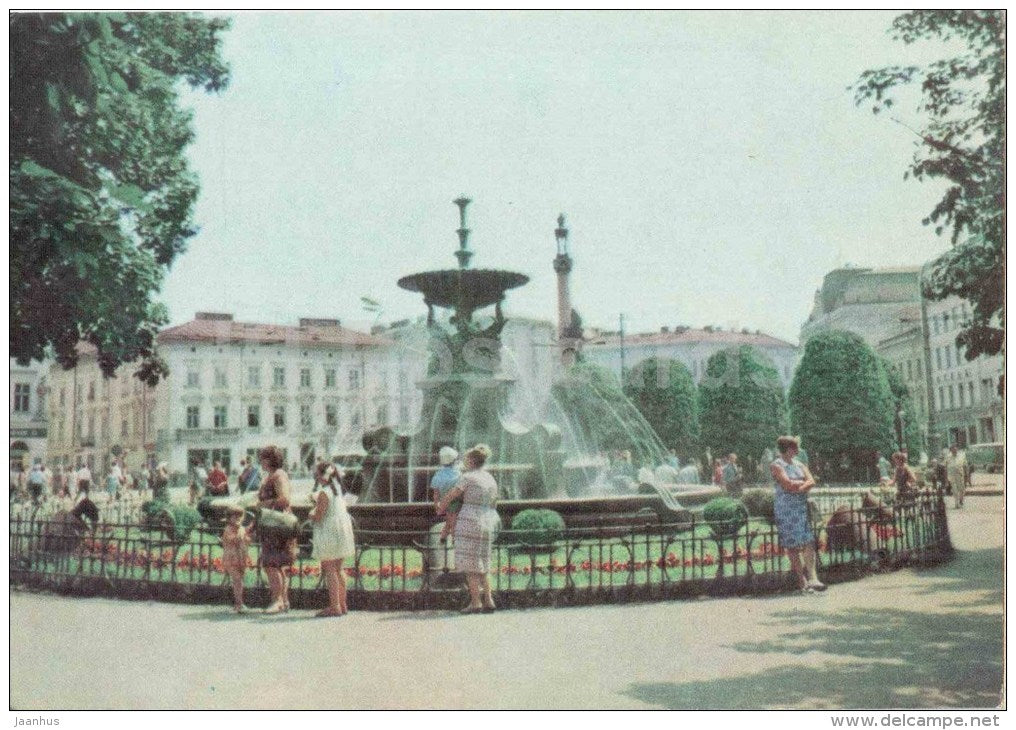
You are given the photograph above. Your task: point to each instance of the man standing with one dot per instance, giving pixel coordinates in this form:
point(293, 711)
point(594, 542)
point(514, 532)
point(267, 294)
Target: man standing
point(36, 482)
point(883, 469)
point(956, 467)
point(84, 479)
point(732, 476)
point(199, 481)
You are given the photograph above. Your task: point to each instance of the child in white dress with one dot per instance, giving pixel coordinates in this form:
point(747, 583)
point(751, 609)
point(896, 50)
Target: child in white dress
point(333, 535)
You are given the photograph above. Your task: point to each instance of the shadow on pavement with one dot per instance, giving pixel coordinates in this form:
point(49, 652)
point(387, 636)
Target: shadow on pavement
point(885, 658)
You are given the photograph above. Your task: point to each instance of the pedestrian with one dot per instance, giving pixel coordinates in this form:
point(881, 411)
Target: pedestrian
point(36, 482)
point(955, 467)
point(441, 483)
point(160, 483)
point(83, 479)
point(114, 480)
point(199, 481)
point(718, 472)
point(476, 526)
point(792, 482)
point(235, 542)
point(732, 474)
point(250, 477)
point(883, 468)
point(671, 459)
point(58, 481)
point(218, 481)
point(333, 535)
point(278, 551)
point(903, 477)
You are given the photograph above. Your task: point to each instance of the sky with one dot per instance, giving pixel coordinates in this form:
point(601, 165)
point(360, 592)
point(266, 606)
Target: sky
point(712, 166)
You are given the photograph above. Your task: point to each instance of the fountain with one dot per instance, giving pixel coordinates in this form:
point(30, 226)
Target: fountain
point(468, 398)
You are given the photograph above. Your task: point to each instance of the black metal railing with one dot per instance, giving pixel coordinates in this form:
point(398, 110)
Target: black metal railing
point(414, 570)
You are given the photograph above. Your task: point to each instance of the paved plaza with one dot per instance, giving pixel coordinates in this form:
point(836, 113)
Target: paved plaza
point(913, 638)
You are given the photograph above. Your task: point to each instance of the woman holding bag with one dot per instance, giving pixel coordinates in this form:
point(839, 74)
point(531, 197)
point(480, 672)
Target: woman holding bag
point(277, 551)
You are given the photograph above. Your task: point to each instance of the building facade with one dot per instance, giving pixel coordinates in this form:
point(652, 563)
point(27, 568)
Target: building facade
point(29, 414)
point(873, 303)
point(693, 347)
point(234, 387)
point(968, 404)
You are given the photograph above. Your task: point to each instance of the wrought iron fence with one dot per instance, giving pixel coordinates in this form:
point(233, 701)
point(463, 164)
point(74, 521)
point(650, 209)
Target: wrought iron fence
point(413, 570)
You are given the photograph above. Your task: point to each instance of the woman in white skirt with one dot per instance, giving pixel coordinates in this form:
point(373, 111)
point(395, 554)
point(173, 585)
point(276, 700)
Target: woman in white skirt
point(333, 535)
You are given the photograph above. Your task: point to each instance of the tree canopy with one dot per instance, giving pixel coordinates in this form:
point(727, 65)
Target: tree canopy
point(840, 401)
point(963, 142)
point(101, 193)
point(665, 394)
point(903, 401)
point(743, 408)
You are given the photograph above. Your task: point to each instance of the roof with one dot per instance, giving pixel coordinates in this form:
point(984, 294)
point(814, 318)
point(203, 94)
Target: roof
point(692, 336)
point(226, 331)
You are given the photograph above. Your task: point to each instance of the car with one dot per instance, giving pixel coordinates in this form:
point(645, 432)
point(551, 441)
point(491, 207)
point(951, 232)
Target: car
point(988, 458)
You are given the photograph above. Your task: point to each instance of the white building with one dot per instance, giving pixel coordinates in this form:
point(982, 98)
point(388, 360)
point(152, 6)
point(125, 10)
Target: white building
point(28, 413)
point(692, 347)
point(968, 407)
point(232, 388)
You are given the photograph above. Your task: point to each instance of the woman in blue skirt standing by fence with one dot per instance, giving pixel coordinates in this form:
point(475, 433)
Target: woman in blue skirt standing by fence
point(793, 481)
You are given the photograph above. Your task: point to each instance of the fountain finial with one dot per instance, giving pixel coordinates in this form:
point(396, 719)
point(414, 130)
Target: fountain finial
point(463, 254)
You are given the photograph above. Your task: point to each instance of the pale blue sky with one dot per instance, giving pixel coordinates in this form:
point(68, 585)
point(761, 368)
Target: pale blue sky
point(712, 166)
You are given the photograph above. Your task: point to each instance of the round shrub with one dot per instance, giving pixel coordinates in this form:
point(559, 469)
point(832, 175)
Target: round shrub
point(538, 527)
point(759, 503)
point(725, 516)
point(150, 511)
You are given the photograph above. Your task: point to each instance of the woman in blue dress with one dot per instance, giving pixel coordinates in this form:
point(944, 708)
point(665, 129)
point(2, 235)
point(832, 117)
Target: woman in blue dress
point(793, 481)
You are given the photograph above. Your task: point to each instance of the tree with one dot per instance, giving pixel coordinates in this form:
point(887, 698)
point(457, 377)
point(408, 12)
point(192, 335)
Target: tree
point(963, 142)
point(100, 190)
point(742, 405)
point(600, 417)
point(903, 402)
point(841, 403)
point(664, 393)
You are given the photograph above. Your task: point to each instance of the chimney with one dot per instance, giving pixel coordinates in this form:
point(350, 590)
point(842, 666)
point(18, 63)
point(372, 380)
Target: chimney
point(214, 316)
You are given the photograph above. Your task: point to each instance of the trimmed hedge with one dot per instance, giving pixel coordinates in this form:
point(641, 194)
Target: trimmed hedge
point(538, 527)
point(726, 516)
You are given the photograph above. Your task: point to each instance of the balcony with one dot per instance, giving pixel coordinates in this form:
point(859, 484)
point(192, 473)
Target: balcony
point(202, 435)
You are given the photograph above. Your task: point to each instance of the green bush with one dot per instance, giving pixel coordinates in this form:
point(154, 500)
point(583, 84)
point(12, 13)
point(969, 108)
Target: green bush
point(725, 516)
point(759, 501)
point(150, 511)
point(538, 527)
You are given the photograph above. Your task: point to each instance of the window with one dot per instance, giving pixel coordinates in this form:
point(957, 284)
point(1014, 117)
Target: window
point(279, 417)
point(305, 421)
point(403, 381)
point(938, 357)
point(193, 379)
point(304, 377)
point(279, 378)
point(910, 371)
point(948, 357)
point(63, 393)
point(331, 414)
point(193, 418)
point(23, 397)
point(330, 378)
point(104, 428)
point(918, 364)
point(970, 392)
point(962, 395)
point(220, 378)
point(952, 399)
point(941, 398)
point(219, 417)
point(958, 360)
point(123, 426)
point(403, 415)
point(934, 324)
point(136, 421)
point(91, 390)
point(91, 428)
point(354, 379)
point(253, 416)
point(382, 415)
point(254, 376)
point(355, 421)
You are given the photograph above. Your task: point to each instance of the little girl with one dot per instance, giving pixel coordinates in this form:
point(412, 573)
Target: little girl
point(234, 554)
point(333, 535)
